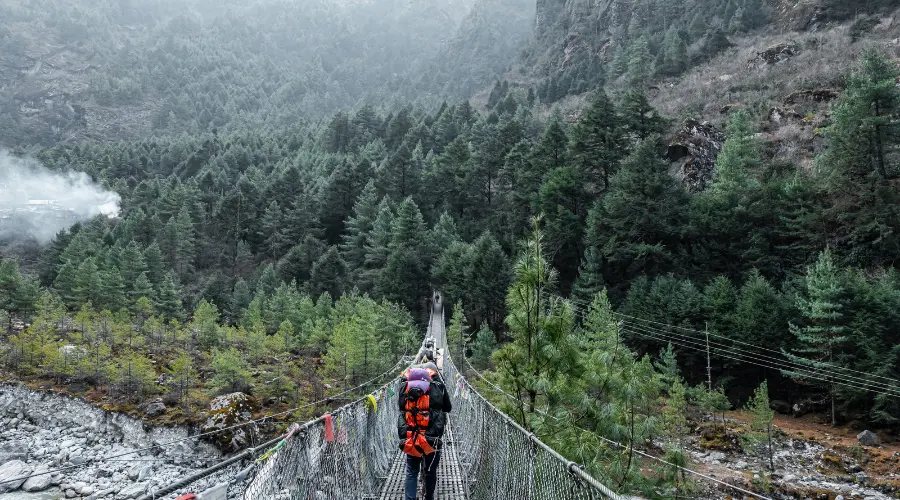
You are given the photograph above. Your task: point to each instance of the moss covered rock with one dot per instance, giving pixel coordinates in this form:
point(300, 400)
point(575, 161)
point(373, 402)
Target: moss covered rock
point(225, 412)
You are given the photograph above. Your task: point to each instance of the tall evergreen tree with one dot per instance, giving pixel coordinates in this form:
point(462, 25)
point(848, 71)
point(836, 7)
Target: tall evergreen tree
point(636, 226)
point(822, 306)
point(329, 274)
point(639, 118)
point(598, 143)
point(359, 226)
point(590, 277)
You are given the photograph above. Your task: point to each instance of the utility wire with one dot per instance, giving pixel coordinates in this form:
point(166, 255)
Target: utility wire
point(754, 358)
point(616, 443)
point(586, 306)
point(771, 363)
point(773, 366)
point(713, 334)
point(765, 363)
point(188, 438)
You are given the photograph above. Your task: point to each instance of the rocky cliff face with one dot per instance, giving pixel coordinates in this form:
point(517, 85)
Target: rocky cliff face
point(579, 44)
point(41, 432)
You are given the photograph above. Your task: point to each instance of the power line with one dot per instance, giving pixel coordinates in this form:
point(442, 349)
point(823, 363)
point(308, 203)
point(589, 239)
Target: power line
point(773, 366)
point(615, 443)
point(754, 358)
point(713, 334)
point(188, 438)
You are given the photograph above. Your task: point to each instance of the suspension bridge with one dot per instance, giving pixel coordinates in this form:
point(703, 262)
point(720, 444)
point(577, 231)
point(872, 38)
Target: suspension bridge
point(353, 452)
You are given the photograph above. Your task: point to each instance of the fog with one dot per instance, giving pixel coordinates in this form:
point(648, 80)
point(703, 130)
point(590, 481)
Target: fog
point(36, 202)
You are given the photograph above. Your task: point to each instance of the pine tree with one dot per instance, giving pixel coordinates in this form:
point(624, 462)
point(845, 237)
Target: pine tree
point(240, 299)
point(329, 274)
point(297, 264)
point(822, 307)
point(551, 151)
point(483, 349)
point(65, 284)
point(444, 234)
point(378, 245)
point(739, 156)
point(763, 415)
point(598, 143)
point(450, 271)
point(640, 62)
point(404, 278)
point(112, 289)
point(487, 277)
point(87, 282)
point(133, 265)
point(271, 233)
point(185, 243)
point(639, 118)
point(408, 227)
point(183, 376)
point(168, 298)
point(268, 281)
point(360, 224)
point(674, 52)
point(590, 277)
point(636, 225)
point(10, 282)
point(230, 372)
point(564, 203)
point(141, 288)
point(542, 349)
point(456, 335)
point(155, 264)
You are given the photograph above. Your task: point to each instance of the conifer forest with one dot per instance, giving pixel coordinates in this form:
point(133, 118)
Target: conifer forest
point(626, 240)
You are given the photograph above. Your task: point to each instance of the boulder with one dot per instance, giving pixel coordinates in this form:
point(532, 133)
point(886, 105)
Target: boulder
point(782, 407)
point(13, 469)
point(868, 438)
point(155, 409)
point(226, 411)
point(132, 491)
point(801, 408)
point(39, 481)
point(779, 53)
point(729, 108)
point(781, 115)
point(693, 152)
point(815, 95)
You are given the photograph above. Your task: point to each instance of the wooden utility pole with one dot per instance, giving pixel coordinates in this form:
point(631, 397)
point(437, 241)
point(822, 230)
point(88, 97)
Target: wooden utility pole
point(708, 365)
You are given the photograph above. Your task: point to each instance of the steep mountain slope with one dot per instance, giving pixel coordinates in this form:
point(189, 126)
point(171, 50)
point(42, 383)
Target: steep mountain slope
point(579, 44)
point(117, 69)
point(489, 39)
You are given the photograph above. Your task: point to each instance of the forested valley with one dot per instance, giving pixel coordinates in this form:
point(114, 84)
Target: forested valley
point(281, 235)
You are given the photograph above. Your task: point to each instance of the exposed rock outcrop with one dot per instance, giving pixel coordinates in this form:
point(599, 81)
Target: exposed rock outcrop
point(815, 95)
point(693, 152)
point(778, 53)
point(226, 411)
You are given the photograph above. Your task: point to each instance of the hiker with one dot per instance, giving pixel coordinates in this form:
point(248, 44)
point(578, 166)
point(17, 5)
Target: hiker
point(424, 403)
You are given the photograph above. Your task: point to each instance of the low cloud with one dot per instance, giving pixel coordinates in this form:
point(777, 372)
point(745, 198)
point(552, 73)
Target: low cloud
point(36, 202)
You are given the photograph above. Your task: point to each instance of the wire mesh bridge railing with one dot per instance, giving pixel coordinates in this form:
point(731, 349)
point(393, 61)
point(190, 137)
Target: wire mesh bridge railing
point(351, 452)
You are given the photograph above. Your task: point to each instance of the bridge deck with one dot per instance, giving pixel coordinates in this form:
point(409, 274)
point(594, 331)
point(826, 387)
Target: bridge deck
point(450, 482)
point(450, 485)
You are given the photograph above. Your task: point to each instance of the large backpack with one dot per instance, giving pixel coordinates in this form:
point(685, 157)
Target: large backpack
point(421, 423)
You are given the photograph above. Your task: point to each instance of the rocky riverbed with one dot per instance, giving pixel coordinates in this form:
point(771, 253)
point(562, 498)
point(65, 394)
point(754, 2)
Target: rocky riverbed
point(101, 454)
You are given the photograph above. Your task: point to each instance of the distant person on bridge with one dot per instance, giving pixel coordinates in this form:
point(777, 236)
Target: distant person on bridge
point(424, 404)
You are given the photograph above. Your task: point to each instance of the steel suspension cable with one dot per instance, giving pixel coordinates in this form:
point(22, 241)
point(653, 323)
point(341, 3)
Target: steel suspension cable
point(615, 443)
